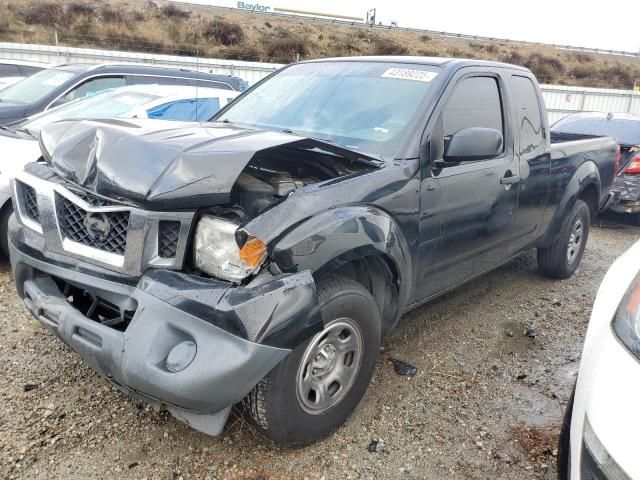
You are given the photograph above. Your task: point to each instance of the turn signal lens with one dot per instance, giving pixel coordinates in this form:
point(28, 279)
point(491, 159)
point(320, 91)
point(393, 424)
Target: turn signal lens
point(253, 252)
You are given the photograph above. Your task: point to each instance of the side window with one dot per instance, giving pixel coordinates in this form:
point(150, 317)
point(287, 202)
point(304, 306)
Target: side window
point(529, 117)
point(475, 102)
point(9, 70)
point(93, 86)
point(188, 110)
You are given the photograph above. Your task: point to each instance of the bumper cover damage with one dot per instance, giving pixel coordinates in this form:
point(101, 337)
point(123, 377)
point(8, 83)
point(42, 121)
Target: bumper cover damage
point(223, 339)
point(628, 188)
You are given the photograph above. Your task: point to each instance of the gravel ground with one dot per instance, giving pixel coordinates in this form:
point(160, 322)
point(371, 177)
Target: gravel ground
point(496, 361)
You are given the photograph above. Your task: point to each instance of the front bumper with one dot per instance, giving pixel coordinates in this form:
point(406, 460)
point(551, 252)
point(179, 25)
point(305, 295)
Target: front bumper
point(606, 406)
point(605, 418)
point(234, 335)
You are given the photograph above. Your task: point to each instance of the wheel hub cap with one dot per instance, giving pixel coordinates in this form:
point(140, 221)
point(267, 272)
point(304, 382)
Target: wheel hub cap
point(575, 241)
point(329, 366)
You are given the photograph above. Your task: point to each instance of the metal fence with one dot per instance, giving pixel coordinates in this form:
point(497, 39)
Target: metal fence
point(563, 100)
point(560, 100)
point(249, 71)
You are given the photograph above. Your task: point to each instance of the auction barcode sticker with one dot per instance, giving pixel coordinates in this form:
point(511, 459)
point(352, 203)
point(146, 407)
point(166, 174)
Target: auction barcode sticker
point(409, 74)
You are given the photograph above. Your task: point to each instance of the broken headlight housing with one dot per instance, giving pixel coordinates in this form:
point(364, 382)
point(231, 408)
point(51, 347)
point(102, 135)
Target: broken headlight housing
point(626, 323)
point(218, 253)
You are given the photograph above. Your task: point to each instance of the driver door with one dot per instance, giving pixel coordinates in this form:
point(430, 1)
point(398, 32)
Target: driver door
point(478, 197)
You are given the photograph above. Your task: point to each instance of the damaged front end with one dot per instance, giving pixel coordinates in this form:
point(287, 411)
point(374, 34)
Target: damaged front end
point(129, 243)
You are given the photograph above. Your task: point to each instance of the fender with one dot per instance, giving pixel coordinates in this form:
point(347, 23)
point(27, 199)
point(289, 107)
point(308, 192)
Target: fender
point(585, 175)
point(341, 235)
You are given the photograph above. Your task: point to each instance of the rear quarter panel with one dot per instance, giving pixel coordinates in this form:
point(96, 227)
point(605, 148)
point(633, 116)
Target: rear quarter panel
point(574, 166)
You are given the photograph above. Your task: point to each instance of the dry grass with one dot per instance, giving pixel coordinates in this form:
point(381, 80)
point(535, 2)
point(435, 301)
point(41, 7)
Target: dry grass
point(161, 27)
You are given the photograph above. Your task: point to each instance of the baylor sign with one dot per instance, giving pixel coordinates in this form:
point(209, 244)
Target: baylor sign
point(253, 7)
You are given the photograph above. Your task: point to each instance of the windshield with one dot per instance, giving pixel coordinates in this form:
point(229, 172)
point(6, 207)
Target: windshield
point(106, 105)
point(35, 87)
point(357, 105)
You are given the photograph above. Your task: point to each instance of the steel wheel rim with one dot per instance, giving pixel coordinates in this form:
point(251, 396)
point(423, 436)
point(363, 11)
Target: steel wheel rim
point(329, 366)
point(575, 241)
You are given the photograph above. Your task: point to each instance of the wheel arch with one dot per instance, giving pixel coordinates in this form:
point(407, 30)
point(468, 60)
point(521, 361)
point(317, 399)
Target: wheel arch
point(584, 185)
point(360, 242)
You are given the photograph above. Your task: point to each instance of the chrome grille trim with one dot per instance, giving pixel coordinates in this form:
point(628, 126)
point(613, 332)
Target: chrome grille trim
point(142, 235)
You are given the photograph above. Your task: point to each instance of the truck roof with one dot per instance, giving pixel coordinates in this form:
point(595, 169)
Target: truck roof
point(460, 62)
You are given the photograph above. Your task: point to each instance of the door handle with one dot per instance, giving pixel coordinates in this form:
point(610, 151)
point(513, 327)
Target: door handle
point(510, 180)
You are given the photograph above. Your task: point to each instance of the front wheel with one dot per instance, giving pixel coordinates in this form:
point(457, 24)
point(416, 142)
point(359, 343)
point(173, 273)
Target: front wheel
point(314, 390)
point(562, 258)
point(5, 213)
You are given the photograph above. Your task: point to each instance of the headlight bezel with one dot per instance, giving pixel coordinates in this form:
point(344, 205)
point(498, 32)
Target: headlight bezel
point(222, 249)
point(626, 320)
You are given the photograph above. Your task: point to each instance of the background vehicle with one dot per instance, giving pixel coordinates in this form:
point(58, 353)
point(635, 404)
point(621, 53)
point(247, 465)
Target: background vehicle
point(625, 128)
point(55, 86)
point(20, 141)
point(598, 438)
point(262, 257)
point(12, 71)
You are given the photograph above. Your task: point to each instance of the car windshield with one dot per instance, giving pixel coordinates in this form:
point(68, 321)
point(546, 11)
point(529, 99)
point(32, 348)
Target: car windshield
point(625, 129)
point(35, 87)
point(364, 106)
point(106, 105)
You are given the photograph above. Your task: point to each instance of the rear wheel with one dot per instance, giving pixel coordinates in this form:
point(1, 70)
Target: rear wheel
point(563, 257)
point(314, 390)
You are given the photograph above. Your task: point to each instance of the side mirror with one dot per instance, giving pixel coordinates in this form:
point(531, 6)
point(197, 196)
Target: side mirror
point(475, 143)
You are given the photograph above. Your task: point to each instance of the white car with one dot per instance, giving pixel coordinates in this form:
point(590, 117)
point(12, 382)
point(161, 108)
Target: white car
point(12, 71)
point(599, 437)
point(19, 141)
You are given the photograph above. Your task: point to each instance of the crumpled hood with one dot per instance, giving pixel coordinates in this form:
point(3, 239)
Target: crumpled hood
point(159, 164)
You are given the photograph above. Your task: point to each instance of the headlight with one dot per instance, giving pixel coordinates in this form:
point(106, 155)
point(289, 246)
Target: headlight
point(626, 323)
point(218, 254)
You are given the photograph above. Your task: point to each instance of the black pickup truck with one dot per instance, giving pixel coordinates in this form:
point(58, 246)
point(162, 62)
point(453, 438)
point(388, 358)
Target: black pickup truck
point(259, 259)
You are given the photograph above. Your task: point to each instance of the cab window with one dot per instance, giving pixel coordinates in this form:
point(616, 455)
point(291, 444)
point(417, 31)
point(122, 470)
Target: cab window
point(475, 102)
point(529, 117)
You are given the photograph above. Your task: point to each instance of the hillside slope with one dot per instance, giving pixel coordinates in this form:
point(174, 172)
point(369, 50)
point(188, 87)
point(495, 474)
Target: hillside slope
point(161, 27)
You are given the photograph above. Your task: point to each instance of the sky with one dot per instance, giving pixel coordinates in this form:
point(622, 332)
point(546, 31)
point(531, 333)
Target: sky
point(606, 25)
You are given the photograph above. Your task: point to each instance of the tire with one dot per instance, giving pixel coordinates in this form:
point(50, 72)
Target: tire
point(561, 259)
point(564, 442)
point(283, 407)
point(635, 219)
point(5, 213)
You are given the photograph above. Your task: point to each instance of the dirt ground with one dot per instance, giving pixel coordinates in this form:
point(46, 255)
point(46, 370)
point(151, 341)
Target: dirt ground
point(496, 361)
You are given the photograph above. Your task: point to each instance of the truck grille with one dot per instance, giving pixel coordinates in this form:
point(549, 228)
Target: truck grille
point(73, 226)
point(94, 200)
point(168, 235)
point(30, 203)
